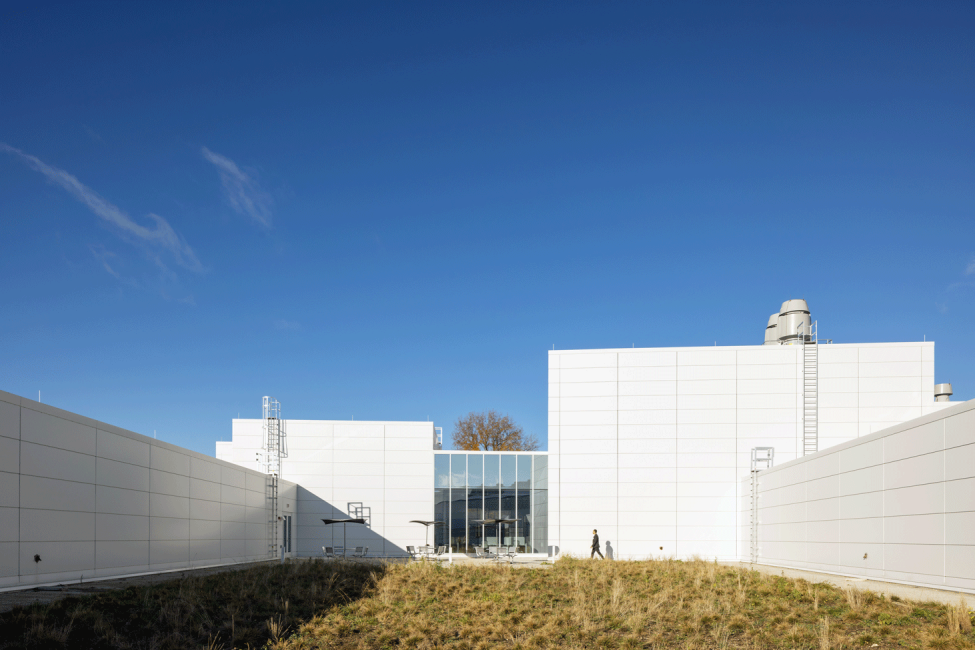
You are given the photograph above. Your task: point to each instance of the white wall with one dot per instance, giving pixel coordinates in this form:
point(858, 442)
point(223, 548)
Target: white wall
point(648, 444)
point(387, 467)
point(95, 500)
point(898, 504)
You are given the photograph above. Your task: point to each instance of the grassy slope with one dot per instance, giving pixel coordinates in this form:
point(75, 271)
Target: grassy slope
point(575, 604)
point(245, 608)
point(586, 604)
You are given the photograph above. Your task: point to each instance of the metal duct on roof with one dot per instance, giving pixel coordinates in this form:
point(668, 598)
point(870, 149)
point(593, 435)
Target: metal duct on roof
point(771, 335)
point(942, 393)
point(793, 317)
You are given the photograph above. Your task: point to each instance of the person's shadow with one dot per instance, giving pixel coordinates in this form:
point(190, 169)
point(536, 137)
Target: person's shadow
point(610, 554)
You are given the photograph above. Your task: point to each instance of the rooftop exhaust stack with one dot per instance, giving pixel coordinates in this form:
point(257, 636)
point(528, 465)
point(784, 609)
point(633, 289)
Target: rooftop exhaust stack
point(942, 393)
point(793, 318)
point(771, 335)
point(783, 327)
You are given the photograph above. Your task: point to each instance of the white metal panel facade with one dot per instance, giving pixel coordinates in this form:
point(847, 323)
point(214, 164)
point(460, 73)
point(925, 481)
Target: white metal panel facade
point(382, 471)
point(92, 500)
point(897, 505)
point(648, 444)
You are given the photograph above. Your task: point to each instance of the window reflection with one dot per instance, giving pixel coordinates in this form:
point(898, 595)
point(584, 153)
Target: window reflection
point(441, 497)
point(458, 470)
point(509, 509)
point(472, 487)
point(523, 529)
point(540, 504)
point(441, 471)
point(475, 500)
point(492, 477)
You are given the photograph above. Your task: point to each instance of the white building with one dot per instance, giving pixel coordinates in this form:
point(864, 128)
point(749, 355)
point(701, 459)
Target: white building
point(81, 499)
point(380, 471)
point(648, 445)
point(651, 446)
point(897, 505)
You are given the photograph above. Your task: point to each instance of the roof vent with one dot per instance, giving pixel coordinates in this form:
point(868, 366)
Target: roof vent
point(793, 317)
point(942, 392)
point(771, 336)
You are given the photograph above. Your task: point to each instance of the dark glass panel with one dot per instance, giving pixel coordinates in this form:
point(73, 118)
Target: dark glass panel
point(458, 520)
point(441, 512)
point(524, 498)
point(491, 503)
point(475, 511)
point(509, 500)
point(492, 500)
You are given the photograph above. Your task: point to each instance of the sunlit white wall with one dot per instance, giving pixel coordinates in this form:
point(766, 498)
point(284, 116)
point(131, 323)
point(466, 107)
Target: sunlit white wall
point(898, 504)
point(648, 444)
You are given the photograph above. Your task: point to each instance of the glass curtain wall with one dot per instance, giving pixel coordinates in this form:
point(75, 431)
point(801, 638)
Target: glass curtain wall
point(471, 487)
point(492, 486)
point(540, 504)
point(441, 497)
point(523, 502)
point(458, 501)
point(475, 499)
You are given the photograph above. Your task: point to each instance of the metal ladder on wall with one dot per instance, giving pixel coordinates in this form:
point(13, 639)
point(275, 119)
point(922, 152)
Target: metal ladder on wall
point(275, 448)
point(762, 458)
point(271, 503)
point(810, 391)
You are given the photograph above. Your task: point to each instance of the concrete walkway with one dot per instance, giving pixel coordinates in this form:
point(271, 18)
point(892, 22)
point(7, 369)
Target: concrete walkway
point(904, 592)
point(517, 563)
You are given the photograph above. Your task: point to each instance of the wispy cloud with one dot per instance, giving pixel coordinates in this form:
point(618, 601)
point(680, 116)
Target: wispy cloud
point(110, 262)
point(104, 256)
point(242, 191)
point(281, 324)
point(970, 269)
point(160, 237)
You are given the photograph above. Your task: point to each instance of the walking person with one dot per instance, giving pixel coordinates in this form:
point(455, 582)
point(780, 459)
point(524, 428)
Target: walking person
point(595, 546)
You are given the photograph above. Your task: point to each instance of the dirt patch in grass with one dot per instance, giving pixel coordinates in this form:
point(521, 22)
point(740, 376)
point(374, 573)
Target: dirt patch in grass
point(244, 608)
point(652, 604)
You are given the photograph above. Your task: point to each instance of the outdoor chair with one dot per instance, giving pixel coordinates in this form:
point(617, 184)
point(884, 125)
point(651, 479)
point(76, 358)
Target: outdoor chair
point(440, 552)
point(328, 551)
point(360, 551)
point(413, 554)
point(483, 554)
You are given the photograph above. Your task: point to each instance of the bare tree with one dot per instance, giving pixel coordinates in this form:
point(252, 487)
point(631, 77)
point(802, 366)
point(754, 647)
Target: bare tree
point(491, 431)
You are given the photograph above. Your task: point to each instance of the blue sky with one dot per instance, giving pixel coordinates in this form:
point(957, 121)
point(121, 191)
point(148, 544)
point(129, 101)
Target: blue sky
point(391, 211)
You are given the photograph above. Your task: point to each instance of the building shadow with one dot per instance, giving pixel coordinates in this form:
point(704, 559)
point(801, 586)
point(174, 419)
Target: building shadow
point(312, 533)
